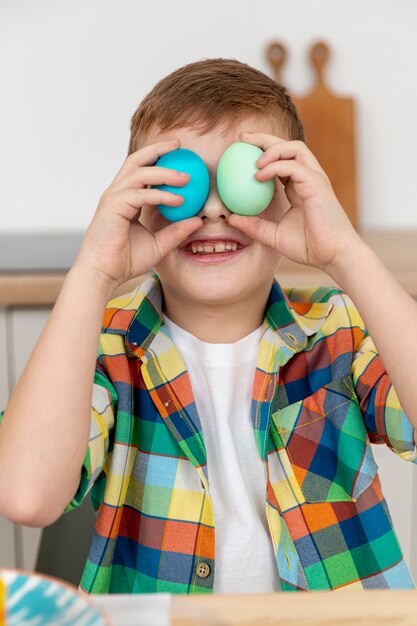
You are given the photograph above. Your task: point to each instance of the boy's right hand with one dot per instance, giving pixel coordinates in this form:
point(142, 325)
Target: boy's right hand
point(116, 245)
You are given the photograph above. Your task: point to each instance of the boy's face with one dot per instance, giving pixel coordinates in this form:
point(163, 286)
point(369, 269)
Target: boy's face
point(240, 276)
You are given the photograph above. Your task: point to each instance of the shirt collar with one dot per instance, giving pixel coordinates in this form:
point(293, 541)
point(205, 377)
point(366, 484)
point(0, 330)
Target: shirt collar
point(138, 315)
point(292, 319)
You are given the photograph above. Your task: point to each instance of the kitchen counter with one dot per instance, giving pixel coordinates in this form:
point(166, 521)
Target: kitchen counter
point(33, 267)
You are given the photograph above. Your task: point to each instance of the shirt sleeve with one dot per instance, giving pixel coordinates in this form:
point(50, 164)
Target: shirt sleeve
point(384, 418)
point(103, 408)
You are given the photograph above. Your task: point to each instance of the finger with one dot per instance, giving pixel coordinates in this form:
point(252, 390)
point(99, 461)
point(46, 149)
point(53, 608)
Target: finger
point(149, 175)
point(290, 192)
point(174, 234)
point(258, 228)
point(148, 155)
point(290, 150)
point(262, 140)
point(130, 201)
point(304, 181)
point(277, 148)
point(165, 239)
point(284, 170)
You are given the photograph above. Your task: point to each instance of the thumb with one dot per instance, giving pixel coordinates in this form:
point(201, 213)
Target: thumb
point(169, 237)
point(257, 228)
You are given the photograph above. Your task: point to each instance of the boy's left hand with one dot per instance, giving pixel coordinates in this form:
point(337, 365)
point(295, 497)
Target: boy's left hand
point(315, 230)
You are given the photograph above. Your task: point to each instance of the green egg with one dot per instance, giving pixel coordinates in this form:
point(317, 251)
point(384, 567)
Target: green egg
point(236, 182)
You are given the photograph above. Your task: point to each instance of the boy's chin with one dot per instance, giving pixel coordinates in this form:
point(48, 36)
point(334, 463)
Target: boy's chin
point(213, 289)
point(220, 292)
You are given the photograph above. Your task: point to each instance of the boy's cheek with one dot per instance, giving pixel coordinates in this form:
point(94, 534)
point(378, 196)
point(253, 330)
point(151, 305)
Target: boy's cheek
point(152, 219)
point(276, 210)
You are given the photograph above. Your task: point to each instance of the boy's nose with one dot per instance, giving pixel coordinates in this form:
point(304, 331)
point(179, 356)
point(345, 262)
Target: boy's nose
point(213, 207)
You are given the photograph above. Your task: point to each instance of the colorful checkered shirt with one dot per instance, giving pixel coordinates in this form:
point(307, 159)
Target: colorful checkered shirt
point(320, 396)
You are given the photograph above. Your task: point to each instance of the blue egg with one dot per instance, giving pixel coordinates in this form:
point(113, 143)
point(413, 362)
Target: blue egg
point(195, 192)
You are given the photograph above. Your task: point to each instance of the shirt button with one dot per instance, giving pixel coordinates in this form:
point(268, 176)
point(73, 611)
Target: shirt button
point(203, 570)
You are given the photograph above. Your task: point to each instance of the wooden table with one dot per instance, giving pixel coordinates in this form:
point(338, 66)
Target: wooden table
point(314, 608)
point(397, 249)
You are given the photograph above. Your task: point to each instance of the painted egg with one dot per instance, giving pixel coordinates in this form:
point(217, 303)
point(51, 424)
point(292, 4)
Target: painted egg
point(236, 182)
point(195, 192)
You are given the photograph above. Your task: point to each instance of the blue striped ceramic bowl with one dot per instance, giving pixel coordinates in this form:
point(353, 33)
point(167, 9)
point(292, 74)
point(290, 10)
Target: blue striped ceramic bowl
point(37, 600)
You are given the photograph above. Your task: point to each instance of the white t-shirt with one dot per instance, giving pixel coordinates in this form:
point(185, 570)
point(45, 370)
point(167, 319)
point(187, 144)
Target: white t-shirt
point(222, 377)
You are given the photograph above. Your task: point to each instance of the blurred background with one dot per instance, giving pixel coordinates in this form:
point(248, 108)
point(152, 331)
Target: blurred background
point(72, 74)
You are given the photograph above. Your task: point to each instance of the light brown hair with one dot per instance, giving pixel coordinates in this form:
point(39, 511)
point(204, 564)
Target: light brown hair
point(205, 94)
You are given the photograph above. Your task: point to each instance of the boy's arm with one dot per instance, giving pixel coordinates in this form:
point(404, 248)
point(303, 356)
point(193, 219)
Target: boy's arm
point(45, 428)
point(44, 431)
point(314, 230)
point(390, 316)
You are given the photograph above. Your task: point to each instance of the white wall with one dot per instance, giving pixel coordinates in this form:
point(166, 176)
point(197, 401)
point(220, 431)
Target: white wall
point(73, 72)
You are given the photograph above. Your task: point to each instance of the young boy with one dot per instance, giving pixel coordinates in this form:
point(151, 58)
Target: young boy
point(228, 447)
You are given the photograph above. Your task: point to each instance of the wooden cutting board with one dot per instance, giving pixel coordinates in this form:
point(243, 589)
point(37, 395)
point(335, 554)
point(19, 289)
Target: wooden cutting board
point(329, 123)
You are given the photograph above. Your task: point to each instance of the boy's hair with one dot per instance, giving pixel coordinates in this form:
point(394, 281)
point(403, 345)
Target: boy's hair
point(205, 94)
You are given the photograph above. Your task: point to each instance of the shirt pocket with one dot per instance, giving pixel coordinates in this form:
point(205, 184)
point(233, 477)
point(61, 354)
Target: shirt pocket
point(327, 444)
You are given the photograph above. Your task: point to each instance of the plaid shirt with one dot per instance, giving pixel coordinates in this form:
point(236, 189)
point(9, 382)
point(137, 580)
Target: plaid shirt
point(320, 396)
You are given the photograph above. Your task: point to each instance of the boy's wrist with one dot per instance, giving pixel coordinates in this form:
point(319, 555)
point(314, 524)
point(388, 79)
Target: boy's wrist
point(350, 260)
point(91, 278)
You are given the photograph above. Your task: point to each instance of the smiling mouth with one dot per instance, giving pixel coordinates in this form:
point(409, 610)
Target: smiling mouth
point(203, 248)
point(209, 255)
